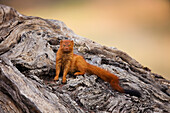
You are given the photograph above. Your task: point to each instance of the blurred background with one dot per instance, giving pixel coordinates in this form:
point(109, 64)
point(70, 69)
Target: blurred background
point(141, 28)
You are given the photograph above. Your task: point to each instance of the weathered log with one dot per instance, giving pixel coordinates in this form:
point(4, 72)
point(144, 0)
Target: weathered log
point(27, 67)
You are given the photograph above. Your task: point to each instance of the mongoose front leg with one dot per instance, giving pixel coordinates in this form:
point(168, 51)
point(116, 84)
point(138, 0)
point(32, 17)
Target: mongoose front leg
point(58, 68)
point(66, 70)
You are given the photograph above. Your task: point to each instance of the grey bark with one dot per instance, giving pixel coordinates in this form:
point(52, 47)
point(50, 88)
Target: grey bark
point(27, 66)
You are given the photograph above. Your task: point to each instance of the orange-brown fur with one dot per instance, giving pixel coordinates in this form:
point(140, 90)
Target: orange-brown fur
point(70, 62)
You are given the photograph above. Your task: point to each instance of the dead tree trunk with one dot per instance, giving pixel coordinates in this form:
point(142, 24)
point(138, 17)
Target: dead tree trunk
point(27, 66)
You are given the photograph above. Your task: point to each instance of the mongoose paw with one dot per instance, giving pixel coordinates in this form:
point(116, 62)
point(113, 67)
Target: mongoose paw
point(55, 79)
point(79, 73)
point(64, 82)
